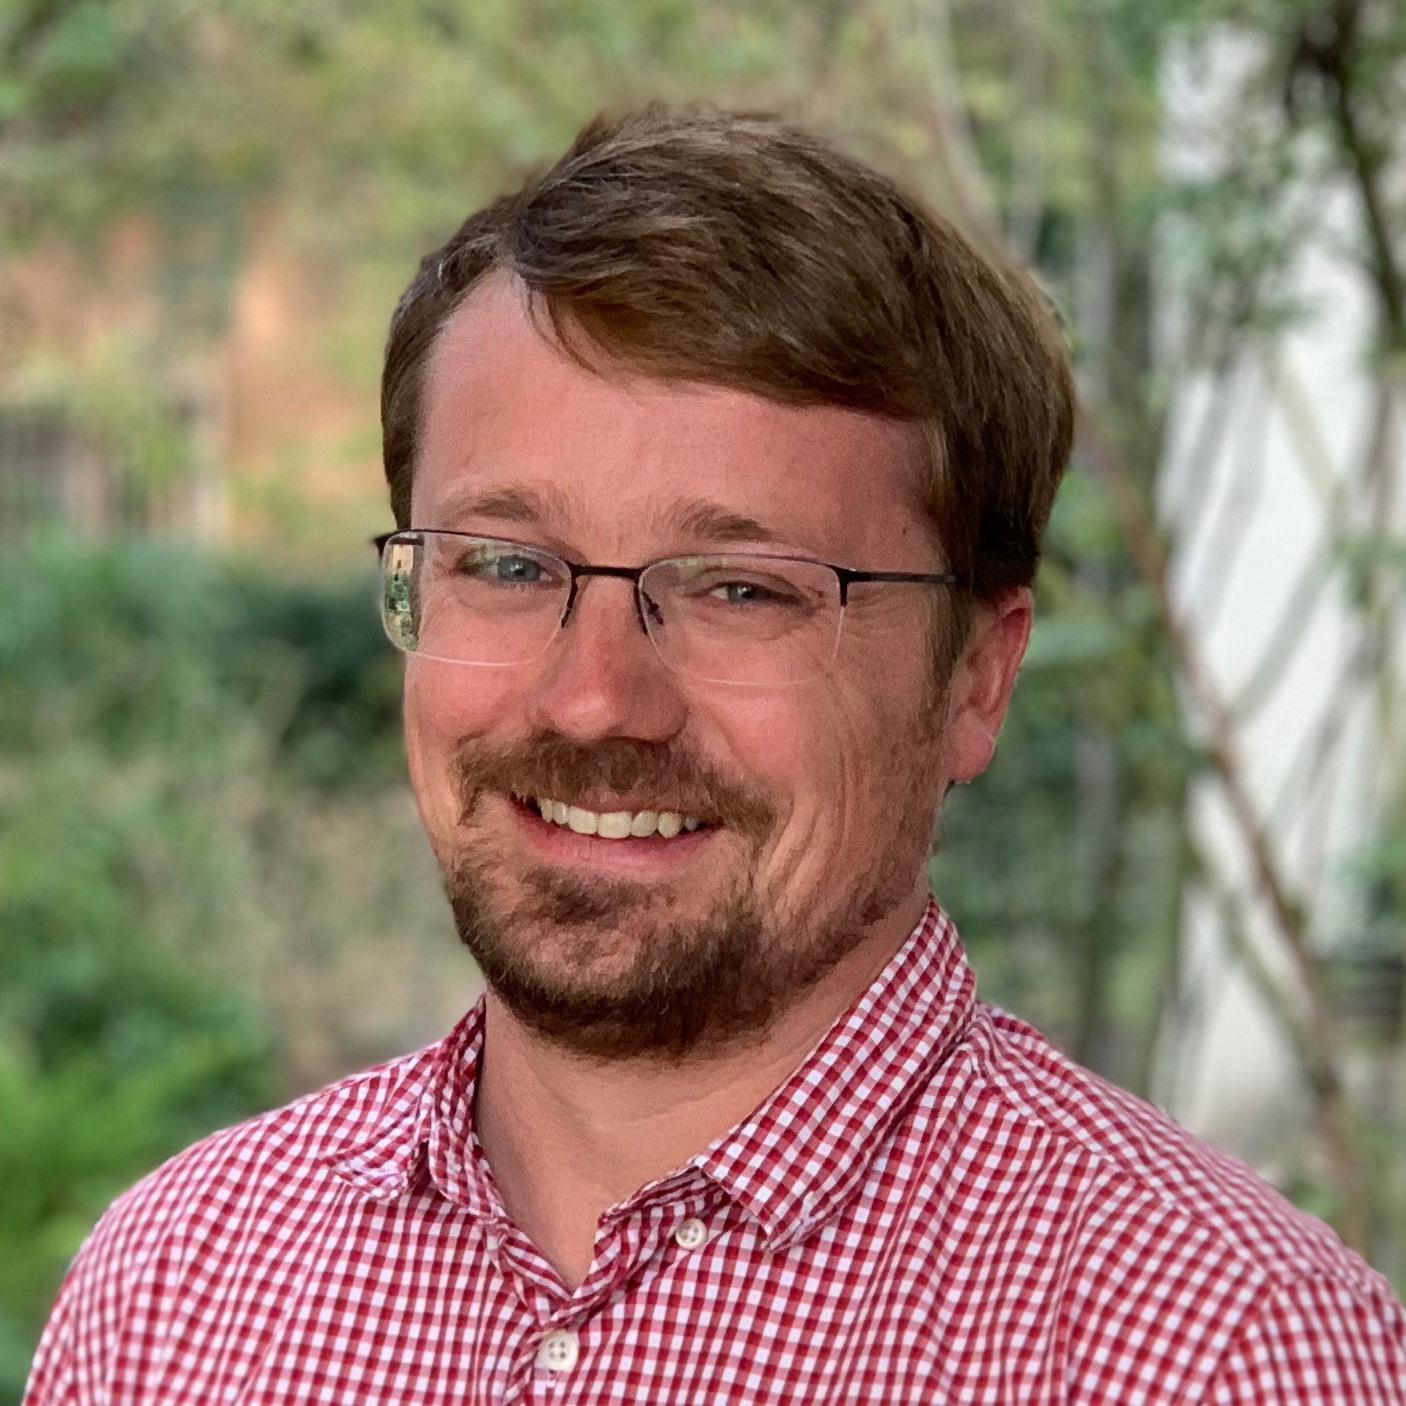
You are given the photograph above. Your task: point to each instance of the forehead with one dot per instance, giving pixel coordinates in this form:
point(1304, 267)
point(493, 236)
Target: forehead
point(625, 462)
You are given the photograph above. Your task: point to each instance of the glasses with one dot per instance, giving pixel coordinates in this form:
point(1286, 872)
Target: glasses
point(720, 618)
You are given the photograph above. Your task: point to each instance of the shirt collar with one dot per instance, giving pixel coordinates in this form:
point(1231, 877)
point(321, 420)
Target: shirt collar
point(425, 1124)
point(790, 1164)
point(808, 1147)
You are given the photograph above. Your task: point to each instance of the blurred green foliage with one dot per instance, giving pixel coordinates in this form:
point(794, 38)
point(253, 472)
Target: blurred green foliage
point(1065, 862)
point(141, 643)
point(140, 681)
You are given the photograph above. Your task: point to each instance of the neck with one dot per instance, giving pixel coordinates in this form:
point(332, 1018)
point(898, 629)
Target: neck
point(567, 1138)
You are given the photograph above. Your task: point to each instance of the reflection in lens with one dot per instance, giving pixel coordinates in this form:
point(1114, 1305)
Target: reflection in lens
point(399, 603)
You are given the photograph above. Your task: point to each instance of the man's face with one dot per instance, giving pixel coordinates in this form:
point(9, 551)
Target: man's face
point(817, 798)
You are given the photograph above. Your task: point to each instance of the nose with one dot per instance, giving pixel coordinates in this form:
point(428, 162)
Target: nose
point(602, 677)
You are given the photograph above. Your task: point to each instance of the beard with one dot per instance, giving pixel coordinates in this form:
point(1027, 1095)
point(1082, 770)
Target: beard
point(614, 969)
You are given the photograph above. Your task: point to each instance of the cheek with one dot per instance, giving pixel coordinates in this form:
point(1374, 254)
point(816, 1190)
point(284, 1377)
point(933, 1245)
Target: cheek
point(872, 768)
point(813, 751)
point(443, 705)
point(450, 701)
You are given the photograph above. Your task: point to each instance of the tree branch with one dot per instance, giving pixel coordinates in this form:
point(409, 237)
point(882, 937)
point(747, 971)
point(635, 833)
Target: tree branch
point(1325, 1079)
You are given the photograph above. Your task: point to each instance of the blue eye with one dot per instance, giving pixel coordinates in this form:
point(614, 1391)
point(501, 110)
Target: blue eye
point(518, 569)
point(746, 593)
point(760, 594)
point(491, 567)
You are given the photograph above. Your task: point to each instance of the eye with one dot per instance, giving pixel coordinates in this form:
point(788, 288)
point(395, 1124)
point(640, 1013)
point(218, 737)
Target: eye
point(752, 588)
point(497, 566)
point(751, 593)
point(518, 569)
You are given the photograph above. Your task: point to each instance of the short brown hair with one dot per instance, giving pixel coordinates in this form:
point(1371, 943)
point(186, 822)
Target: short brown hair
point(734, 250)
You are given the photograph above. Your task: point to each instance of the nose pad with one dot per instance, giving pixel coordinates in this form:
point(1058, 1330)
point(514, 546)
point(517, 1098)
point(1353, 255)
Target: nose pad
point(569, 606)
point(647, 605)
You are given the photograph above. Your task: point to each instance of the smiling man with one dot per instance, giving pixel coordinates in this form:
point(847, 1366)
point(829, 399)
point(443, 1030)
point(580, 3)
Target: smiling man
point(720, 468)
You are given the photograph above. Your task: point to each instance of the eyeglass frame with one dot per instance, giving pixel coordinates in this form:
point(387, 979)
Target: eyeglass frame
point(846, 576)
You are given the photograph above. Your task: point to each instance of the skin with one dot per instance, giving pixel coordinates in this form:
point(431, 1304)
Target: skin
point(849, 769)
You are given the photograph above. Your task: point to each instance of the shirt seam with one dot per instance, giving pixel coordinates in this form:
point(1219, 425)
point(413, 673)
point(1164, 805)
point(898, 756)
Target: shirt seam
point(1254, 1313)
point(1276, 1273)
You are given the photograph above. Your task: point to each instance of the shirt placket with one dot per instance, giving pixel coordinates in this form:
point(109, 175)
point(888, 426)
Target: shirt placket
point(554, 1360)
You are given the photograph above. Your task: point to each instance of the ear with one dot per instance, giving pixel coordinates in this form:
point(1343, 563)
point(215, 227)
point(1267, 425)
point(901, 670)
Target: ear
point(980, 689)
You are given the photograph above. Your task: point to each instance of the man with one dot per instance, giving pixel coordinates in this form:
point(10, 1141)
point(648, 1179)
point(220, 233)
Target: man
point(720, 469)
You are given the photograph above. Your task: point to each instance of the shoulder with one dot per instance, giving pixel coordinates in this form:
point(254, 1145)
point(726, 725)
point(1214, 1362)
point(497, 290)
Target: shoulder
point(1123, 1142)
point(1315, 1338)
point(239, 1184)
point(272, 1155)
point(1164, 1242)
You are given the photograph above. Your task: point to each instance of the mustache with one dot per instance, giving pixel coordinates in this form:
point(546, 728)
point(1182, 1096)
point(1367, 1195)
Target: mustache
point(551, 765)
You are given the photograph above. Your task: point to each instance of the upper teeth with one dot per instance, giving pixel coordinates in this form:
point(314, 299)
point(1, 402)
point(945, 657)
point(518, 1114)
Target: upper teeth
point(616, 824)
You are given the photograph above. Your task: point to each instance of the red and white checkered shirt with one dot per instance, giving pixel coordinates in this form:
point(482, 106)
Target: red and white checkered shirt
point(935, 1208)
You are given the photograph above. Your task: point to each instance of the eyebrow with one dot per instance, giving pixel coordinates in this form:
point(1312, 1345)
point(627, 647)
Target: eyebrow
point(696, 518)
point(518, 503)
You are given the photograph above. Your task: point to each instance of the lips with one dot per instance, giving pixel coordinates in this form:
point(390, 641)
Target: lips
point(618, 789)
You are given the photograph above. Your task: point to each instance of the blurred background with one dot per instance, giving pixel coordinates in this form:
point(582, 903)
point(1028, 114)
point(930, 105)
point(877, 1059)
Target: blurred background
point(1188, 864)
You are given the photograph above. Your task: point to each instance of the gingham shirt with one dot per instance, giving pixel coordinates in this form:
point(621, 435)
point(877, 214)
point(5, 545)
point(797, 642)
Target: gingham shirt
point(935, 1208)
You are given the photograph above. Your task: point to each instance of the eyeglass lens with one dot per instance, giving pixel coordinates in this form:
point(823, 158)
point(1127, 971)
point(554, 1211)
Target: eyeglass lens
point(725, 618)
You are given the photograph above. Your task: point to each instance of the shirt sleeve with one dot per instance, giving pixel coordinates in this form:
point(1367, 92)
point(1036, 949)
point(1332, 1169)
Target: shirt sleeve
point(1317, 1342)
point(68, 1366)
point(51, 1378)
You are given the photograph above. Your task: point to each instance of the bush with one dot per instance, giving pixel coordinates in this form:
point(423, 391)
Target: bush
point(150, 694)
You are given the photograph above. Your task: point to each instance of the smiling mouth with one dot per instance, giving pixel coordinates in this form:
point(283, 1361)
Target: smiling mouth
point(612, 824)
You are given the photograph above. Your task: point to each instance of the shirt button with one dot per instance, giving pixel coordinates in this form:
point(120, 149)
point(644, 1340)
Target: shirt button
point(691, 1233)
point(559, 1350)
